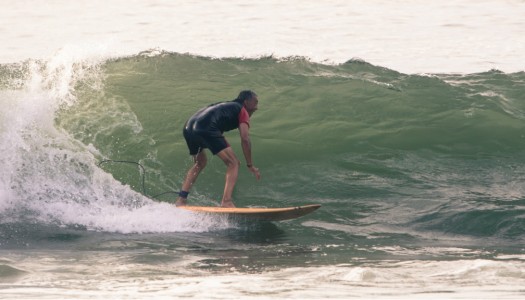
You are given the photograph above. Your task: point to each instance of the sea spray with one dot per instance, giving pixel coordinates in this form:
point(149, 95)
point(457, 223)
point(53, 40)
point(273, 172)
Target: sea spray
point(52, 178)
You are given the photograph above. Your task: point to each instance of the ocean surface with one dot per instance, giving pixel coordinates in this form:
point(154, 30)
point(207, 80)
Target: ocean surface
point(405, 120)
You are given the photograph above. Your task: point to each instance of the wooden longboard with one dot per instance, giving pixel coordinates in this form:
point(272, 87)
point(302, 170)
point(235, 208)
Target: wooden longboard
point(255, 213)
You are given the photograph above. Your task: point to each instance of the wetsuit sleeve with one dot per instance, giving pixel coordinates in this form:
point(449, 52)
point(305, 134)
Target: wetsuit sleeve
point(244, 117)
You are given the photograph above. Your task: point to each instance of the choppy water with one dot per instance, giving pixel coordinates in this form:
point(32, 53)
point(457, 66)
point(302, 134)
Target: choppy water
point(420, 177)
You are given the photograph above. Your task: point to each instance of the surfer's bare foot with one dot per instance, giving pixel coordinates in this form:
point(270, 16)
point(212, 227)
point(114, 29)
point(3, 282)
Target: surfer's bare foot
point(227, 203)
point(181, 202)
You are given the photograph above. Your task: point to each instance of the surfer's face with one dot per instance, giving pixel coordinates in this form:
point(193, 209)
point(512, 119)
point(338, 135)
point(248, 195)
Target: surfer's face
point(251, 105)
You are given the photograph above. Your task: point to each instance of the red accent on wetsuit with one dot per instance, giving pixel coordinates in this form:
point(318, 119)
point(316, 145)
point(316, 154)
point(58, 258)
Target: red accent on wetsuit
point(244, 116)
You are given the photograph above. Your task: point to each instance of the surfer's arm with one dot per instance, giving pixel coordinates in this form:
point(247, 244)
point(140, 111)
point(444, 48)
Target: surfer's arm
point(244, 131)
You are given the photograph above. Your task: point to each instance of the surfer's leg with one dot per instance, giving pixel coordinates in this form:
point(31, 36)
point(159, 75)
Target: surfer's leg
point(199, 163)
point(232, 170)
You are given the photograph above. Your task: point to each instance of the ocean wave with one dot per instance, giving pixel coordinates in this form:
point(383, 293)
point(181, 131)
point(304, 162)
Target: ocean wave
point(352, 135)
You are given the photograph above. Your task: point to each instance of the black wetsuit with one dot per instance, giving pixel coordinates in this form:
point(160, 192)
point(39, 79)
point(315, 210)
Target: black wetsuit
point(205, 128)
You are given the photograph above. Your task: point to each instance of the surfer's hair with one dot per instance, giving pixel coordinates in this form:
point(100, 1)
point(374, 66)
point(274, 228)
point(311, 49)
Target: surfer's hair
point(245, 95)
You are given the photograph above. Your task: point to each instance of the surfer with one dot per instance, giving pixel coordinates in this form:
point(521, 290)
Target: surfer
point(205, 130)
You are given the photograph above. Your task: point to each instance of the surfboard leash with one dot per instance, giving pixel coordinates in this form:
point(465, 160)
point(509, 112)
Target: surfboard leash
point(143, 176)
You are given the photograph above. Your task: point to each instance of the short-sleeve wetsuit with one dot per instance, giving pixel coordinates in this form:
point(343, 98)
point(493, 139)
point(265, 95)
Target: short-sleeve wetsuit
point(206, 127)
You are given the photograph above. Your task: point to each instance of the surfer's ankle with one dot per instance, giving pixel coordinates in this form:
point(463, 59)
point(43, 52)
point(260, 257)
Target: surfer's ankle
point(181, 202)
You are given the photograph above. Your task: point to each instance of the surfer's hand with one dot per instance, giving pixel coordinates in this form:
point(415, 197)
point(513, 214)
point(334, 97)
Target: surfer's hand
point(255, 172)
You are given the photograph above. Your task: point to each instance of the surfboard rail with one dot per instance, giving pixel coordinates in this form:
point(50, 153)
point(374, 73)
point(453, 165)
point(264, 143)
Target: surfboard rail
point(256, 213)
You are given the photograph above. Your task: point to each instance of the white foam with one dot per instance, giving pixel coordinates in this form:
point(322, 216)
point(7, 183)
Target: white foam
point(3, 199)
point(53, 178)
point(458, 279)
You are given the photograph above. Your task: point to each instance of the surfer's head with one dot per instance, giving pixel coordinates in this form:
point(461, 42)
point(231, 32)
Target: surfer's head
point(249, 100)
point(245, 95)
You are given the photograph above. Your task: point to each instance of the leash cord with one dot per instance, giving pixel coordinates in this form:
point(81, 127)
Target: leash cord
point(143, 175)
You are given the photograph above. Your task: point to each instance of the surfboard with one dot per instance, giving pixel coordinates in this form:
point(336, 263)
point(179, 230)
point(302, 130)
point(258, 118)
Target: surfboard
point(255, 213)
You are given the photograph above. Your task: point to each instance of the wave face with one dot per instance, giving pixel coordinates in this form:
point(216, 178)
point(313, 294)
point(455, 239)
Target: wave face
point(407, 156)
